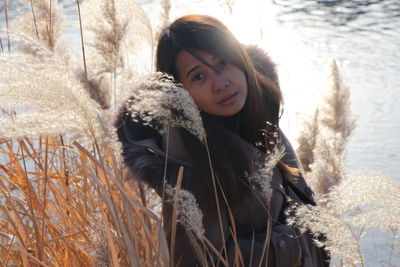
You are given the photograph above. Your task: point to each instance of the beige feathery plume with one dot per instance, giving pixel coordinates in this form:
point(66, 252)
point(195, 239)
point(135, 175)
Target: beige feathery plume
point(323, 141)
point(164, 17)
point(160, 102)
point(97, 232)
point(307, 141)
point(114, 31)
point(189, 213)
point(46, 98)
point(336, 113)
point(260, 179)
point(372, 199)
point(362, 200)
point(43, 21)
point(329, 229)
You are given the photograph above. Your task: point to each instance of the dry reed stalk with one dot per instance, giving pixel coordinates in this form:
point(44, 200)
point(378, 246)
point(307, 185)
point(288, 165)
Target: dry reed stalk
point(50, 28)
point(30, 198)
point(6, 15)
point(34, 19)
point(44, 194)
point(238, 261)
point(82, 45)
point(213, 178)
point(165, 163)
point(175, 214)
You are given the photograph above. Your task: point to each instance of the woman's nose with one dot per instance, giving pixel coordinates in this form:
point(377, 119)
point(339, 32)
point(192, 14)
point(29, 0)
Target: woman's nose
point(221, 81)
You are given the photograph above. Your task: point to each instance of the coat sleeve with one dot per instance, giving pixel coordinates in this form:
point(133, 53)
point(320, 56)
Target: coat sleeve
point(146, 165)
point(142, 163)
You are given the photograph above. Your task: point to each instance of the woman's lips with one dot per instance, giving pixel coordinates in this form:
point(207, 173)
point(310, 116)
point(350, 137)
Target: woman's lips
point(228, 100)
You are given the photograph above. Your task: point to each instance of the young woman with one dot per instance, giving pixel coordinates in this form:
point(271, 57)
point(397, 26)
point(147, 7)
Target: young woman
point(237, 91)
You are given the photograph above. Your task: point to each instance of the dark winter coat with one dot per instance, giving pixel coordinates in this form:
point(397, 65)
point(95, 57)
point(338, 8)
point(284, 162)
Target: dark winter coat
point(144, 155)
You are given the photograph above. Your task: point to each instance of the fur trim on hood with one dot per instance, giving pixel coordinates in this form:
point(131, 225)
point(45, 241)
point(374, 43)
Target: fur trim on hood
point(263, 62)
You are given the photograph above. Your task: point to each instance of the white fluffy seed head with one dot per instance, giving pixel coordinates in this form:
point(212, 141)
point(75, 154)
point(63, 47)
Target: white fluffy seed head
point(189, 213)
point(41, 96)
point(372, 201)
point(261, 178)
point(160, 102)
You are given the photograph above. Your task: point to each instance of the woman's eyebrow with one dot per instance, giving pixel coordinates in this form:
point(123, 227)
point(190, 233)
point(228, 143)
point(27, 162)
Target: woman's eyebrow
point(192, 69)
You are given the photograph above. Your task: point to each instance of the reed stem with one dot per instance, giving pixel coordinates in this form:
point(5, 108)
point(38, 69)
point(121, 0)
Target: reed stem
point(34, 20)
point(8, 35)
point(216, 197)
point(44, 193)
point(82, 45)
point(30, 198)
point(51, 44)
point(175, 214)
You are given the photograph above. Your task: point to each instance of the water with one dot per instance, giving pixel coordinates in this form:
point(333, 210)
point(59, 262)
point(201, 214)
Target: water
point(302, 37)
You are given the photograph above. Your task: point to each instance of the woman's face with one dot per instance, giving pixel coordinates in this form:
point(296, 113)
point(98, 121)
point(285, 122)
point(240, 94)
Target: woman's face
point(217, 88)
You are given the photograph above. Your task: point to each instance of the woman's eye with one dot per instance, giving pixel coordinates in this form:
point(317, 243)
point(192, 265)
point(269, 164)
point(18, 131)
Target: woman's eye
point(199, 76)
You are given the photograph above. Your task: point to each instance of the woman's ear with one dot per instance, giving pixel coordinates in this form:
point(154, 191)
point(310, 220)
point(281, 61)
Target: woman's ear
point(262, 62)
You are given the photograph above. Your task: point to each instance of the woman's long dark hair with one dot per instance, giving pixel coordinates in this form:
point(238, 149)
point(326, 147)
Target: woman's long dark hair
point(193, 33)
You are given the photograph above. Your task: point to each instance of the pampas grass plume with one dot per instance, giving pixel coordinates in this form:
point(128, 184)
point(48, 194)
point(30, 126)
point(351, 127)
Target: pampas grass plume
point(189, 213)
point(46, 97)
point(307, 141)
point(114, 32)
point(44, 22)
point(161, 103)
point(362, 200)
point(324, 138)
point(261, 177)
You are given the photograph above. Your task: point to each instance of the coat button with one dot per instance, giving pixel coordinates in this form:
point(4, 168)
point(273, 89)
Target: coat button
point(282, 244)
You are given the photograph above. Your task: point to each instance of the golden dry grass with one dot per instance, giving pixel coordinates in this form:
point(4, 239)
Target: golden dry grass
point(64, 206)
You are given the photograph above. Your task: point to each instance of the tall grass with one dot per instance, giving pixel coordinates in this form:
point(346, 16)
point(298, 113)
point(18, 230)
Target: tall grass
point(64, 205)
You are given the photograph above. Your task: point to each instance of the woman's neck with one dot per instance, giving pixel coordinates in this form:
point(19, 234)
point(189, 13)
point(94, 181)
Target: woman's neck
point(229, 122)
